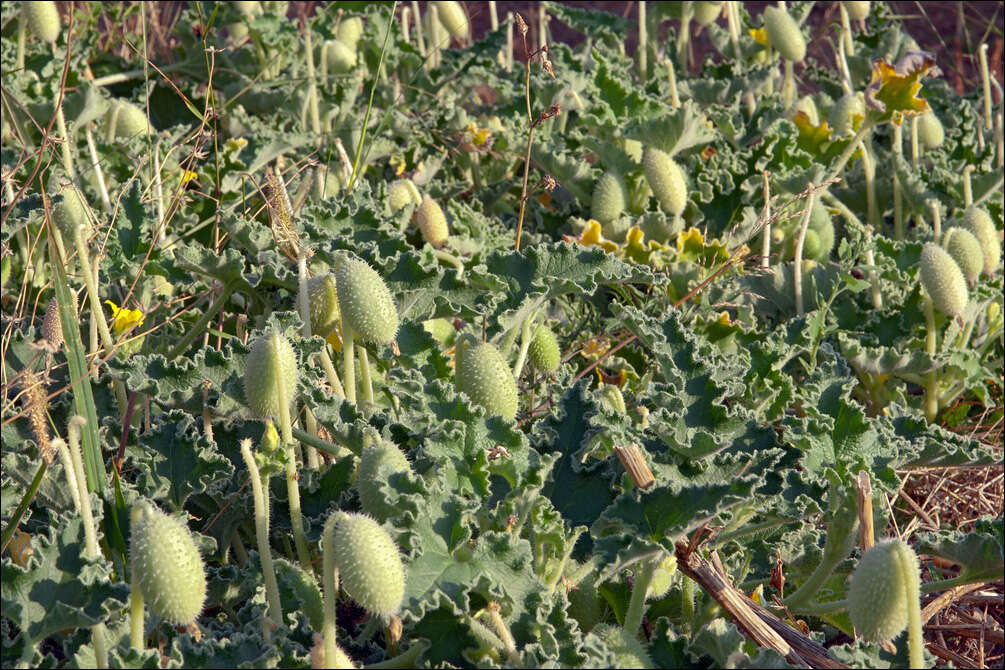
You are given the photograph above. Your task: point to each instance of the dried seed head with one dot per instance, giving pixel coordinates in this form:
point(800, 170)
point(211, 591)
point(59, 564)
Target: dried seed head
point(521, 25)
point(52, 325)
point(35, 406)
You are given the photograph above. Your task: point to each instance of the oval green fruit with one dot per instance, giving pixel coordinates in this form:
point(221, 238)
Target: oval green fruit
point(930, 130)
point(401, 193)
point(380, 460)
point(340, 56)
point(454, 19)
point(979, 223)
point(167, 566)
point(879, 595)
point(666, 179)
point(610, 195)
point(544, 353)
point(805, 105)
point(707, 12)
point(349, 31)
point(270, 373)
point(662, 579)
point(69, 212)
point(432, 222)
point(322, 299)
point(845, 111)
point(943, 280)
point(857, 10)
point(482, 374)
point(125, 119)
point(43, 20)
point(365, 302)
point(966, 251)
point(369, 564)
point(784, 34)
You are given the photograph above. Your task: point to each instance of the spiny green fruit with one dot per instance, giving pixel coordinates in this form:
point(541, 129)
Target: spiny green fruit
point(349, 31)
point(845, 110)
point(628, 651)
point(966, 251)
point(454, 19)
point(402, 192)
point(784, 34)
point(369, 564)
point(857, 9)
point(71, 211)
point(879, 595)
point(662, 578)
point(125, 119)
point(481, 372)
point(610, 196)
point(270, 372)
point(979, 223)
point(294, 579)
point(666, 179)
point(707, 12)
point(43, 20)
point(930, 130)
point(167, 566)
point(365, 302)
point(379, 460)
point(811, 245)
point(943, 280)
point(322, 299)
point(432, 222)
point(544, 353)
point(805, 105)
point(341, 57)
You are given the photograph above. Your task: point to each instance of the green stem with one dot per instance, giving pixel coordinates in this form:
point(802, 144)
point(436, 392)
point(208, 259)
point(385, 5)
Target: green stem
point(968, 191)
point(99, 174)
point(846, 38)
point(687, 604)
point(312, 89)
point(636, 605)
point(869, 170)
point(846, 155)
point(329, 579)
point(364, 376)
point(932, 378)
point(65, 144)
point(22, 38)
point(684, 39)
point(349, 363)
point(329, 367)
point(258, 487)
point(327, 447)
point(292, 487)
point(672, 77)
point(936, 221)
point(136, 638)
point(798, 267)
point(982, 53)
point(766, 217)
point(449, 258)
point(898, 204)
point(525, 338)
point(915, 638)
point(643, 41)
point(199, 326)
point(120, 77)
point(788, 84)
point(915, 145)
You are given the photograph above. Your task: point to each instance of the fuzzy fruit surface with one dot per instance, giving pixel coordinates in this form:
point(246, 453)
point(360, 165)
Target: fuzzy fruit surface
point(845, 111)
point(979, 223)
point(930, 130)
point(270, 373)
point(943, 280)
point(380, 460)
point(544, 353)
point(349, 31)
point(322, 299)
point(966, 251)
point(482, 373)
point(666, 179)
point(784, 34)
point(70, 212)
point(128, 119)
point(369, 564)
point(167, 566)
point(878, 596)
point(610, 196)
point(43, 20)
point(341, 57)
point(706, 12)
point(432, 222)
point(453, 18)
point(365, 302)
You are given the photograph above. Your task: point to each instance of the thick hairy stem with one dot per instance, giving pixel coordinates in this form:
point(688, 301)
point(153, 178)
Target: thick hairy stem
point(915, 146)
point(932, 378)
point(329, 584)
point(364, 375)
point(870, 259)
point(672, 76)
point(915, 639)
point(312, 90)
point(766, 216)
point(65, 144)
point(258, 489)
point(329, 368)
point(798, 267)
point(525, 338)
point(136, 638)
point(849, 150)
point(420, 40)
point(788, 84)
point(872, 205)
point(643, 40)
point(99, 174)
point(509, 42)
point(636, 605)
point(936, 221)
point(968, 191)
point(898, 204)
point(982, 54)
point(349, 363)
point(846, 38)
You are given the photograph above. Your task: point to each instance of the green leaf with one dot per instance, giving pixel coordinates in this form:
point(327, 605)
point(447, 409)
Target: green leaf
point(674, 132)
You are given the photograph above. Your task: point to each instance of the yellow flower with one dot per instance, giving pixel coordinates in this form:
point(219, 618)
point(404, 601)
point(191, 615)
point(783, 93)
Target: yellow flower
point(760, 36)
point(335, 338)
point(593, 235)
point(236, 144)
point(125, 319)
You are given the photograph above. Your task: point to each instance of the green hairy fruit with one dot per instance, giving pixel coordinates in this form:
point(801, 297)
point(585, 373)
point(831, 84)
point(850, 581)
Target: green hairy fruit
point(930, 130)
point(369, 564)
point(270, 373)
point(365, 302)
point(880, 592)
point(248, 9)
point(979, 223)
point(71, 211)
point(401, 193)
point(784, 34)
point(482, 373)
point(666, 179)
point(294, 579)
point(943, 280)
point(125, 119)
point(628, 651)
point(707, 12)
point(43, 20)
point(845, 110)
point(966, 251)
point(610, 196)
point(454, 19)
point(349, 31)
point(322, 298)
point(857, 9)
point(340, 56)
point(805, 105)
point(432, 222)
point(662, 579)
point(544, 353)
point(167, 566)
point(379, 460)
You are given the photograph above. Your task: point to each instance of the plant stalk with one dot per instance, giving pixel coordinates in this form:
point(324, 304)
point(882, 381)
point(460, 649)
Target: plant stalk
point(258, 488)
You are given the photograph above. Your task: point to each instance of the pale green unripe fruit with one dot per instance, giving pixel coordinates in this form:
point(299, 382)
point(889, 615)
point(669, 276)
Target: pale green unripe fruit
point(943, 280)
point(365, 302)
point(349, 31)
point(662, 578)
point(610, 196)
point(322, 299)
point(270, 373)
point(453, 18)
point(544, 353)
point(70, 212)
point(857, 9)
point(432, 222)
point(628, 651)
point(979, 223)
point(666, 179)
point(811, 245)
point(879, 594)
point(248, 9)
point(43, 20)
point(341, 57)
point(707, 12)
point(383, 456)
point(844, 111)
point(481, 372)
point(784, 34)
point(401, 193)
point(930, 130)
point(805, 105)
point(966, 251)
point(126, 119)
point(167, 566)
point(369, 564)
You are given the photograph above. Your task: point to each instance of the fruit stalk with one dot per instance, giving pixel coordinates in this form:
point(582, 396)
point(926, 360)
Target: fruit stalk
point(136, 637)
point(766, 217)
point(502, 630)
point(525, 338)
point(915, 148)
point(672, 77)
point(633, 615)
point(292, 487)
point(329, 585)
point(898, 204)
point(258, 486)
point(420, 40)
point(932, 378)
point(846, 40)
point(99, 174)
point(312, 89)
point(349, 363)
point(915, 638)
point(798, 262)
point(684, 39)
point(305, 317)
point(982, 53)
point(642, 54)
point(364, 375)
